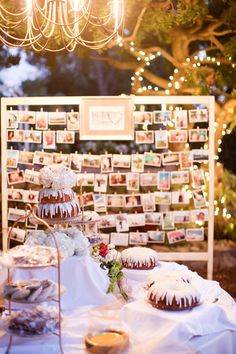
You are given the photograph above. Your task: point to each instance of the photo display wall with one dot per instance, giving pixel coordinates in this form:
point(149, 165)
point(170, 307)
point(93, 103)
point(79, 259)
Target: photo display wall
point(153, 189)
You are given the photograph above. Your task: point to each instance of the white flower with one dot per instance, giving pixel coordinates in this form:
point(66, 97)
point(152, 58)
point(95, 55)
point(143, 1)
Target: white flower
point(111, 255)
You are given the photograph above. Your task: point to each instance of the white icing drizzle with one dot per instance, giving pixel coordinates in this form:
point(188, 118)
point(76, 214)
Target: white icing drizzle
point(57, 176)
point(166, 275)
point(51, 209)
point(184, 293)
point(55, 193)
point(139, 256)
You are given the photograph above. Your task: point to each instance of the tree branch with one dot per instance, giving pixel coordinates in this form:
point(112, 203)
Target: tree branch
point(165, 54)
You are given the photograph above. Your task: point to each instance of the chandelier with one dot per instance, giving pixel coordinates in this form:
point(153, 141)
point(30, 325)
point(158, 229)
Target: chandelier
point(55, 25)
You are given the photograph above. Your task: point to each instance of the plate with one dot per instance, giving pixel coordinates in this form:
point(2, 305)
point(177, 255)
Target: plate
point(105, 341)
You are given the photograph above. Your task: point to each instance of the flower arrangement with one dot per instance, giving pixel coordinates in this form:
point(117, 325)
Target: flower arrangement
point(109, 259)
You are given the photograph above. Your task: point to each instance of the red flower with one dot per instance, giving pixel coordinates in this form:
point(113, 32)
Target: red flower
point(103, 249)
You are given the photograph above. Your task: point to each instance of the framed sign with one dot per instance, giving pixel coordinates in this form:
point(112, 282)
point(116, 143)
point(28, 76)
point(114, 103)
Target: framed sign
point(106, 118)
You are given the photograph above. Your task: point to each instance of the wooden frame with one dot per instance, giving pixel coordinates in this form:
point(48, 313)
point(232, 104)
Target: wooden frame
point(103, 118)
point(208, 101)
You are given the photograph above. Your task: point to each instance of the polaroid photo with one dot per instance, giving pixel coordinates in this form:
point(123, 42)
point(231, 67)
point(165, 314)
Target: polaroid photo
point(199, 216)
point(176, 236)
point(179, 197)
point(57, 118)
point(144, 136)
point(163, 181)
point(91, 161)
point(195, 234)
point(138, 238)
point(42, 158)
point(41, 119)
point(200, 155)
point(49, 139)
point(115, 201)
point(32, 136)
point(105, 238)
point(143, 117)
point(106, 163)
point(121, 161)
point(100, 183)
point(148, 179)
point(122, 223)
point(15, 214)
point(26, 117)
point(181, 119)
point(153, 218)
point(152, 159)
point(31, 196)
point(12, 158)
point(72, 120)
point(198, 115)
point(132, 200)
point(12, 119)
point(182, 217)
point(117, 179)
point(198, 178)
point(107, 221)
point(198, 135)
point(91, 228)
point(65, 137)
point(162, 198)
point(87, 199)
point(26, 157)
point(17, 234)
point(85, 180)
point(148, 202)
point(199, 198)
point(161, 139)
point(120, 239)
point(137, 163)
point(186, 160)
point(76, 162)
point(132, 181)
point(15, 195)
point(178, 136)
point(58, 158)
point(170, 158)
point(32, 177)
point(100, 203)
point(136, 220)
point(179, 177)
point(156, 236)
point(168, 220)
point(15, 136)
point(15, 177)
point(161, 117)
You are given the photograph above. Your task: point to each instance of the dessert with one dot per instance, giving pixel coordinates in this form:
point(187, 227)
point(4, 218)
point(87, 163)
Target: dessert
point(139, 258)
point(173, 295)
point(170, 276)
point(57, 199)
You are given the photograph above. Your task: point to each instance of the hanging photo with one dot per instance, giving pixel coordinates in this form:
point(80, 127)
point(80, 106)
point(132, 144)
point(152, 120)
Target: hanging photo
point(100, 183)
point(31, 196)
point(143, 117)
point(148, 179)
point(198, 135)
point(49, 139)
point(16, 177)
point(16, 136)
point(136, 220)
point(200, 155)
point(181, 119)
point(91, 161)
point(41, 120)
point(100, 203)
point(87, 199)
point(132, 200)
point(12, 119)
point(162, 198)
point(76, 162)
point(117, 179)
point(138, 238)
point(168, 220)
point(120, 239)
point(178, 136)
point(115, 201)
point(32, 136)
point(107, 221)
point(148, 202)
point(176, 236)
point(85, 179)
point(121, 161)
point(182, 217)
point(186, 160)
point(156, 236)
point(137, 164)
point(26, 157)
point(199, 216)
point(26, 117)
point(122, 223)
point(195, 234)
point(106, 163)
point(161, 117)
point(132, 181)
point(17, 234)
point(42, 158)
point(144, 137)
point(14, 214)
point(32, 177)
point(199, 198)
point(65, 137)
point(179, 197)
point(163, 180)
point(198, 115)
point(152, 159)
point(59, 158)
point(161, 139)
point(57, 118)
point(153, 218)
point(72, 120)
point(12, 158)
point(179, 177)
point(170, 158)
point(198, 178)
point(105, 238)
point(15, 195)
point(91, 228)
